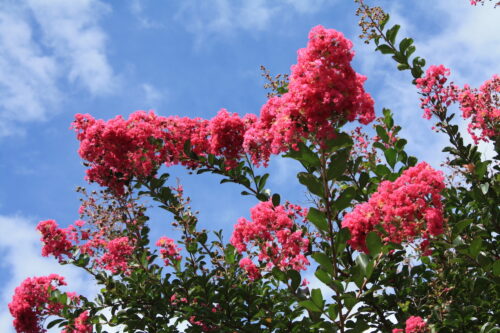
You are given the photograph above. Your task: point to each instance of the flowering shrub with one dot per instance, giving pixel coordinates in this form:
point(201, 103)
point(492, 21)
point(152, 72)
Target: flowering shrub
point(55, 240)
point(280, 242)
point(32, 303)
point(481, 106)
point(81, 325)
point(323, 93)
point(408, 208)
point(369, 202)
point(169, 250)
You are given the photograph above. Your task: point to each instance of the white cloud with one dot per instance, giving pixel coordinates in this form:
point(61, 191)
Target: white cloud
point(225, 17)
point(42, 42)
point(21, 258)
point(71, 30)
point(468, 42)
point(27, 76)
point(137, 9)
point(152, 96)
point(283, 171)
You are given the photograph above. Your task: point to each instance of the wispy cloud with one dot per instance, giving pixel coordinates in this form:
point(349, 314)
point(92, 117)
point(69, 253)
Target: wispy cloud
point(27, 75)
point(137, 9)
point(217, 18)
point(42, 42)
point(152, 96)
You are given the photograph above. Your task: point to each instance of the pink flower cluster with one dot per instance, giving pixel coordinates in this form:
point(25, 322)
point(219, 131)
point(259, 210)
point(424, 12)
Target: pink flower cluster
point(117, 255)
point(81, 325)
point(324, 92)
point(60, 242)
point(168, 250)
point(204, 327)
point(435, 93)
point(55, 240)
point(249, 266)
point(481, 106)
point(274, 235)
point(120, 149)
point(414, 324)
point(30, 304)
point(408, 208)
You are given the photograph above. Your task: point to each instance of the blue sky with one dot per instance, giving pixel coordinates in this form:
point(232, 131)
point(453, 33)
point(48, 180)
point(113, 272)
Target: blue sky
point(188, 58)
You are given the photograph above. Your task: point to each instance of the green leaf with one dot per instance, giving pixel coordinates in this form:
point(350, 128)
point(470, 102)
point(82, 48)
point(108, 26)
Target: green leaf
point(392, 32)
point(317, 297)
point(63, 298)
point(382, 170)
point(279, 274)
point(192, 247)
point(342, 140)
point(230, 254)
point(417, 72)
point(324, 261)
point(384, 22)
point(382, 133)
point(385, 49)
point(262, 181)
point(350, 301)
point(357, 275)
point(403, 45)
point(363, 180)
point(310, 305)
point(400, 58)
point(388, 120)
point(373, 243)
point(419, 62)
point(341, 238)
point(365, 264)
point(379, 145)
point(475, 246)
point(412, 160)
point(202, 238)
point(187, 147)
point(333, 311)
point(461, 225)
point(391, 156)
point(54, 323)
point(311, 182)
point(318, 219)
point(338, 164)
point(496, 268)
point(295, 277)
point(409, 51)
point(481, 168)
point(323, 276)
point(304, 155)
point(344, 199)
point(400, 144)
point(276, 199)
point(403, 67)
